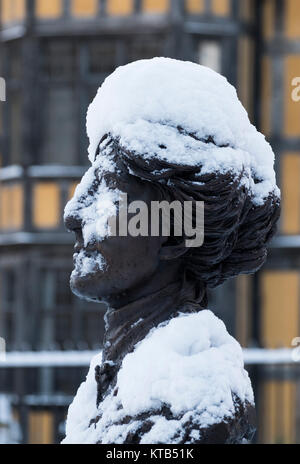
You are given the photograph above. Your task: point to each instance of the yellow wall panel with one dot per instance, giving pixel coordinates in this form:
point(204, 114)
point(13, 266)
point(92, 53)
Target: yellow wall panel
point(277, 421)
point(5, 207)
point(292, 19)
point(11, 207)
point(195, 6)
point(72, 189)
point(156, 6)
point(243, 309)
point(267, 418)
point(280, 308)
point(269, 18)
point(288, 402)
point(266, 95)
point(17, 206)
point(12, 10)
point(290, 173)
point(245, 76)
point(292, 108)
point(46, 205)
point(246, 9)
point(48, 9)
point(120, 7)
point(221, 7)
point(41, 428)
point(19, 9)
point(6, 11)
point(84, 7)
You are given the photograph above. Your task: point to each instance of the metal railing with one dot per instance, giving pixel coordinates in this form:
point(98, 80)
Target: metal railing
point(23, 359)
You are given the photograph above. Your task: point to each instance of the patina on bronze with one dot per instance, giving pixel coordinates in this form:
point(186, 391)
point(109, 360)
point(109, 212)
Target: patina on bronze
point(152, 278)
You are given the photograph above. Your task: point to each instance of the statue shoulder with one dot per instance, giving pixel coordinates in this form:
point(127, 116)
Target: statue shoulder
point(185, 382)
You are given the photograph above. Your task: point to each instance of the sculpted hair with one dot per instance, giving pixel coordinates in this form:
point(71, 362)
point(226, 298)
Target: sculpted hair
point(236, 230)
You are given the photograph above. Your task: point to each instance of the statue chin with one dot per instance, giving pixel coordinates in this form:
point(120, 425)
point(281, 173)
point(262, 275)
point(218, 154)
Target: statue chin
point(92, 287)
point(80, 286)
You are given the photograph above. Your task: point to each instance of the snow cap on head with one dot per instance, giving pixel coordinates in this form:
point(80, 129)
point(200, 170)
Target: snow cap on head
point(145, 102)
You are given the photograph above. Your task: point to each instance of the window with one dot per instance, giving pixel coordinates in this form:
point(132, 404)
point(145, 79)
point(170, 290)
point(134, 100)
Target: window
point(209, 54)
point(15, 60)
point(66, 322)
point(60, 59)
point(15, 124)
point(7, 305)
point(222, 301)
point(12, 110)
point(102, 56)
point(144, 48)
point(9, 288)
point(73, 70)
point(92, 330)
point(63, 292)
point(60, 126)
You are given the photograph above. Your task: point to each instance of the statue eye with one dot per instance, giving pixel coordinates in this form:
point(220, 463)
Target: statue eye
point(97, 152)
point(99, 146)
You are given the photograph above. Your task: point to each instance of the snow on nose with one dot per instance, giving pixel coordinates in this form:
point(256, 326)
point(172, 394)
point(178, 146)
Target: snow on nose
point(91, 208)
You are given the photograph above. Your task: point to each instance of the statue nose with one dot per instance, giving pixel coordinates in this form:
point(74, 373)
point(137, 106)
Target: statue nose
point(73, 223)
point(79, 243)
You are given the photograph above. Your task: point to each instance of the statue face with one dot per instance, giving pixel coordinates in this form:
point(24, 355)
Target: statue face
point(106, 265)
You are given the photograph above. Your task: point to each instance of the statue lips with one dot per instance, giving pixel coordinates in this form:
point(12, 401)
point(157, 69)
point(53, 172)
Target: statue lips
point(87, 250)
point(90, 248)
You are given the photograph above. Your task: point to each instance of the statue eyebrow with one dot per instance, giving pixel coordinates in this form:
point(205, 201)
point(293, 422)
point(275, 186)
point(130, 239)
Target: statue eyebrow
point(105, 136)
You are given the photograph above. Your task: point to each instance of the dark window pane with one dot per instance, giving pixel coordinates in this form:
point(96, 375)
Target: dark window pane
point(61, 121)
point(222, 301)
point(15, 99)
point(8, 332)
point(9, 288)
point(92, 333)
point(60, 59)
point(56, 309)
point(8, 306)
point(63, 292)
point(66, 322)
point(102, 56)
point(144, 48)
point(66, 380)
point(63, 330)
point(15, 60)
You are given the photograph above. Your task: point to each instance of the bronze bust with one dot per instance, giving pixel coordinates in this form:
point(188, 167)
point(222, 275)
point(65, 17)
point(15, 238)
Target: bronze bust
point(169, 373)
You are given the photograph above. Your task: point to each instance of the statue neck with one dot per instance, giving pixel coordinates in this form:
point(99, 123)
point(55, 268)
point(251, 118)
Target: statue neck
point(127, 325)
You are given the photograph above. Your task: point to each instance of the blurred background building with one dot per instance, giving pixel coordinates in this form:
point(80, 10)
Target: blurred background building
point(53, 55)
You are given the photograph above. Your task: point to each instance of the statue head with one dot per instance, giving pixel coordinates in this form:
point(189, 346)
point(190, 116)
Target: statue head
point(166, 130)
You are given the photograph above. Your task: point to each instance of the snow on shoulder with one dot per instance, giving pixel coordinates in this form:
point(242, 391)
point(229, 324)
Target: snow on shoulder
point(145, 103)
point(191, 364)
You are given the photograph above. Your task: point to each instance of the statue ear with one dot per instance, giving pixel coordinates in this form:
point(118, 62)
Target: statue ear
point(169, 252)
